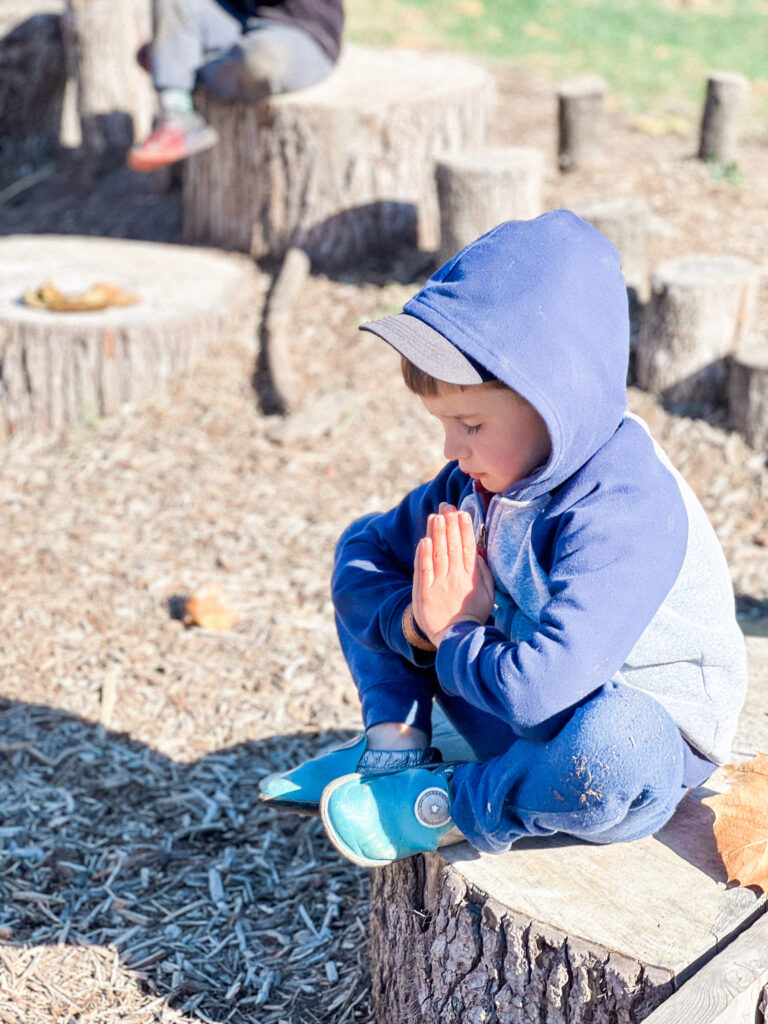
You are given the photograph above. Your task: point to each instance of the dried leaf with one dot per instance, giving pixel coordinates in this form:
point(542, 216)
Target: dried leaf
point(741, 822)
point(98, 296)
point(209, 608)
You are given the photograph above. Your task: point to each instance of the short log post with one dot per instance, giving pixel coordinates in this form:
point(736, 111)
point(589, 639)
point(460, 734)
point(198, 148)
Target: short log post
point(115, 98)
point(479, 188)
point(581, 122)
point(748, 392)
point(277, 369)
point(343, 170)
point(626, 223)
point(701, 308)
point(726, 101)
point(61, 370)
point(31, 94)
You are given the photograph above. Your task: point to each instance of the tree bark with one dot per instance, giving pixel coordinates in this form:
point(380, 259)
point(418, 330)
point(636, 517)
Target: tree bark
point(443, 953)
point(701, 308)
point(64, 369)
point(748, 392)
point(581, 122)
point(343, 170)
point(31, 94)
point(479, 188)
point(115, 98)
point(626, 223)
point(726, 100)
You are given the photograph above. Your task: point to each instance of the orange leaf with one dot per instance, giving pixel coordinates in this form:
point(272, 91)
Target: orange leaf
point(741, 822)
point(208, 608)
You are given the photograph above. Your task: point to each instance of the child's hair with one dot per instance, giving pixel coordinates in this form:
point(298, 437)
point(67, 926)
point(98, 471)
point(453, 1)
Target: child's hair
point(422, 383)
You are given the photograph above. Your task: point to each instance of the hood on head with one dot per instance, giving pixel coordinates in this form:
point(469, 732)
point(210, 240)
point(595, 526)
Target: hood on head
point(542, 305)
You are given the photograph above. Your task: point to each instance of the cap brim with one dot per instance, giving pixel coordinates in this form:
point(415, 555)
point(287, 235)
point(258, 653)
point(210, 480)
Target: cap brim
point(427, 349)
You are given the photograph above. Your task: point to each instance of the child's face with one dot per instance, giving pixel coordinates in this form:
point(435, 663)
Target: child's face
point(496, 435)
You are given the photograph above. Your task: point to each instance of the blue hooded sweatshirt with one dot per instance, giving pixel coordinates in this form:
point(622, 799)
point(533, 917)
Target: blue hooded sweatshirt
point(604, 562)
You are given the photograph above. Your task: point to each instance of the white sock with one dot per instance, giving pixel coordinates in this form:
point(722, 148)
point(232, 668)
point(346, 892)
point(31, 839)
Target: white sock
point(175, 101)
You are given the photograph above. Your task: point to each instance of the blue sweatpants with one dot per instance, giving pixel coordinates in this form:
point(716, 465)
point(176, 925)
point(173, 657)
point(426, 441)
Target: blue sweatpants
point(609, 769)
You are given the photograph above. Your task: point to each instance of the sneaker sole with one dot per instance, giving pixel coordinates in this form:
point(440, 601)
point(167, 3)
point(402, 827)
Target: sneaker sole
point(281, 803)
point(144, 163)
point(330, 831)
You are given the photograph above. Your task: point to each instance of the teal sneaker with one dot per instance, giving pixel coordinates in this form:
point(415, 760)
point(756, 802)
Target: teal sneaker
point(300, 788)
point(375, 820)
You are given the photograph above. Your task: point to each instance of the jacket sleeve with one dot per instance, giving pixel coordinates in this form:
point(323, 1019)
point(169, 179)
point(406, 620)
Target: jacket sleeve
point(614, 558)
point(373, 570)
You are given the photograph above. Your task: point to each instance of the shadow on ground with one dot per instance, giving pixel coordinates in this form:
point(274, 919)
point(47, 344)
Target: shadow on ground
point(225, 908)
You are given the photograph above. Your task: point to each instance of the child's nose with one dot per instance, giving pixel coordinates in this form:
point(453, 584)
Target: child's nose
point(455, 446)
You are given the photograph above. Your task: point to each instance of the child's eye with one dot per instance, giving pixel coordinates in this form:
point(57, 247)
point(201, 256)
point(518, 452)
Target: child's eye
point(472, 429)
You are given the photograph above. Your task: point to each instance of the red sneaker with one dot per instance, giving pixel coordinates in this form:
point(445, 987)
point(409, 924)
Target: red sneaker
point(171, 141)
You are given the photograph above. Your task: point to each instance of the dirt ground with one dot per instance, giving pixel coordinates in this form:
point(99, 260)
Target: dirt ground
point(140, 881)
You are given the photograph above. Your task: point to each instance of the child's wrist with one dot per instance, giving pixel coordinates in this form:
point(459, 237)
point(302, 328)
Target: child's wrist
point(413, 633)
point(437, 638)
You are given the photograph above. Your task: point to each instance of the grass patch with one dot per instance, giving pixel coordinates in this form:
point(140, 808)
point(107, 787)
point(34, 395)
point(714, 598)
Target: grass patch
point(654, 54)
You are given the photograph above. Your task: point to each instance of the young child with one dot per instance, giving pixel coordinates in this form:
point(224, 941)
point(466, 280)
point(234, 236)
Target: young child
point(239, 50)
point(557, 588)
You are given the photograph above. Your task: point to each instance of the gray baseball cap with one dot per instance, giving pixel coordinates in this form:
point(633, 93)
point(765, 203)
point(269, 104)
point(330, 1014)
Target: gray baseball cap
point(428, 349)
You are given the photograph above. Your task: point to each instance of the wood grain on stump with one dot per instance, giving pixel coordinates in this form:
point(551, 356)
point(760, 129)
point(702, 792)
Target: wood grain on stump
point(748, 392)
point(479, 188)
point(726, 101)
point(626, 223)
point(62, 369)
point(701, 308)
point(344, 169)
point(115, 97)
point(581, 122)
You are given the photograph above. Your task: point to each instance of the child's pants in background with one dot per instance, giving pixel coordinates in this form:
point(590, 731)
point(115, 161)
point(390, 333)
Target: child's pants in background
point(233, 56)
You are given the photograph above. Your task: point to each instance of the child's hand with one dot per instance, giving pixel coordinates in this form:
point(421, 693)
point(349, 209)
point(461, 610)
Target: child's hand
point(451, 582)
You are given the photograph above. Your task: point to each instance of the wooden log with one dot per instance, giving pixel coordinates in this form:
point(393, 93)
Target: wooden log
point(625, 221)
point(342, 170)
point(726, 100)
point(581, 122)
point(64, 369)
point(31, 95)
point(557, 930)
point(701, 308)
point(280, 391)
point(748, 392)
point(479, 188)
point(727, 990)
point(115, 98)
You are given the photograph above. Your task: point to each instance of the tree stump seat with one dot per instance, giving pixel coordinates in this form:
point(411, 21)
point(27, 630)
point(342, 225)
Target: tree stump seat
point(344, 169)
point(559, 931)
point(60, 369)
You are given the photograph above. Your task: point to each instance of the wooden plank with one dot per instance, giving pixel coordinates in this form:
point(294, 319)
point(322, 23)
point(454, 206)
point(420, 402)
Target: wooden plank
point(727, 989)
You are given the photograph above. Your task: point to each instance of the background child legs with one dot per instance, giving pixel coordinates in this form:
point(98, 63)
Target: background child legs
point(270, 58)
point(613, 772)
point(185, 34)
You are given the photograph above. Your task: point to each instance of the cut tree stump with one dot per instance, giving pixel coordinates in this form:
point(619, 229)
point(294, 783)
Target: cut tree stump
point(63, 369)
point(581, 122)
point(726, 101)
point(558, 930)
point(115, 97)
point(701, 308)
point(482, 187)
point(626, 223)
point(343, 170)
point(31, 95)
point(748, 392)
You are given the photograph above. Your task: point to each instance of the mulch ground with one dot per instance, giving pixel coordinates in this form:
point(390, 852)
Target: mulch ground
point(140, 880)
